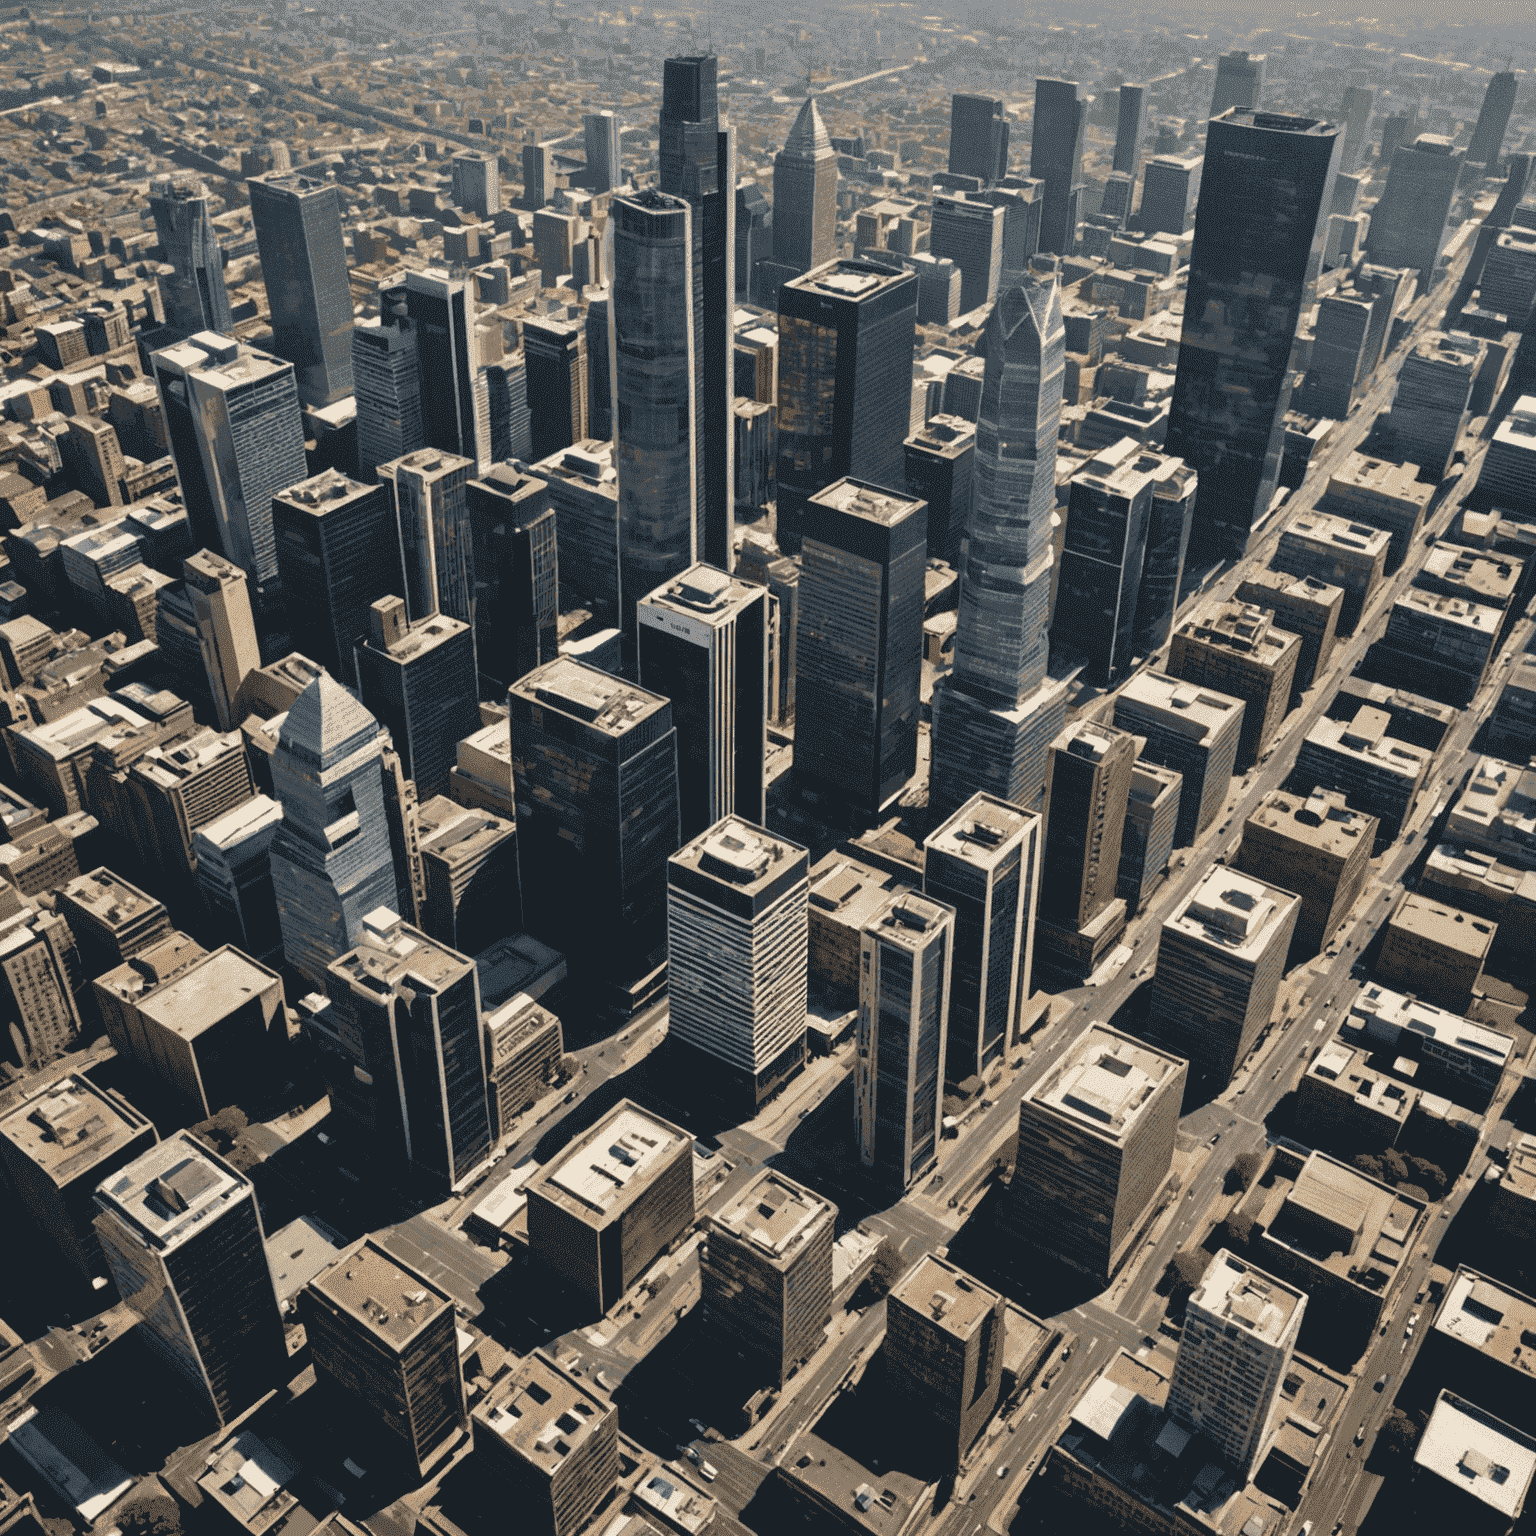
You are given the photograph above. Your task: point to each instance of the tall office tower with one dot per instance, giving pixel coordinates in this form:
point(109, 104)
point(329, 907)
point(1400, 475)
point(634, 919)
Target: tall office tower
point(384, 1340)
point(1396, 131)
point(944, 1347)
point(1409, 219)
point(1233, 384)
point(1239, 82)
point(331, 858)
point(781, 576)
point(1170, 187)
point(433, 533)
point(754, 238)
point(1130, 126)
point(736, 951)
point(704, 644)
point(237, 436)
point(518, 610)
point(1019, 197)
point(182, 1237)
point(940, 466)
point(234, 875)
point(556, 355)
point(985, 863)
point(658, 419)
point(93, 459)
point(1219, 961)
point(1056, 158)
point(418, 680)
point(1162, 568)
point(538, 175)
point(971, 235)
point(1096, 1138)
point(1151, 819)
point(1116, 204)
point(550, 1445)
point(605, 164)
point(594, 767)
point(997, 712)
point(387, 380)
point(1492, 121)
point(62, 1139)
point(455, 407)
point(194, 295)
point(698, 164)
point(471, 898)
point(905, 958)
point(1194, 730)
point(304, 267)
point(1089, 786)
point(978, 139)
point(1109, 513)
point(338, 552)
point(1240, 1329)
point(804, 197)
point(408, 1010)
point(599, 368)
point(845, 382)
point(37, 956)
point(858, 653)
point(511, 421)
point(600, 1212)
point(765, 1276)
point(226, 632)
point(477, 183)
point(1359, 101)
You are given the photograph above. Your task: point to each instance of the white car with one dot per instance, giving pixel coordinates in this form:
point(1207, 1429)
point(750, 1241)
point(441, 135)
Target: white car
point(707, 1472)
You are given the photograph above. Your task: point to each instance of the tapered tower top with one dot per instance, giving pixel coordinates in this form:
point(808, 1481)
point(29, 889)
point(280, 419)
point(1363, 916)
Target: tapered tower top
point(809, 136)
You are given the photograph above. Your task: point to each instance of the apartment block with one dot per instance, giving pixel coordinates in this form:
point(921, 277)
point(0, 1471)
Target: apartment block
point(1351, 555)
point(524, 1047)
point(1377, 774)
point(1435, 951)
point(1305, 607)
point(1151, 822)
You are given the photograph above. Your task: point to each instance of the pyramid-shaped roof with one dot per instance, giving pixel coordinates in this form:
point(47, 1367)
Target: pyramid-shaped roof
point(326, 722)
point(1029, 305)
point(809, 133)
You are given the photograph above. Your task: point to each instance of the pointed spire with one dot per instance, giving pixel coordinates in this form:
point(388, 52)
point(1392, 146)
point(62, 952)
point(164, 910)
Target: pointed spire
point(327, 722)
point(809, 136)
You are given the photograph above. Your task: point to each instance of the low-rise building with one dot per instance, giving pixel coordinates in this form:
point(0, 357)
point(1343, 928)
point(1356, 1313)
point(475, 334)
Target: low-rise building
point(524, 1046)
point(1435, 951)
point(1478, 1344)
point(1307, 608)
point(1438, 644)
point(1457, 1057)
point(1386, 495)
point(1377, 774)
point(1351, 555)
point(1472, 1471)
point(1346, 1106)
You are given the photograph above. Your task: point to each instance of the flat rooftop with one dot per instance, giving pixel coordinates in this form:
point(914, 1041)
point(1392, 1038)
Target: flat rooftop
point(1321, 820)
point(947, 436)
point(541, 1413)
point(1378, 1010)
point(873, 503)
point(949, 1298)
point(109, 898)
point(849, 279)
point(1244, 1296)
point(702, 594)
point(908, 920)
point(1365, 739)
point(390, 953)
point(1232, 910)
point(164, 1194)
point(325, 492)
point(1457, 611)
point(208, 990)
point(1487, 1459)
point(1449, 927)
point(612, 1165)
point(738, 853)
point(981, 831)
point(70, 1127)
point(599, 699)
point(458, 834)
point(1346, 1070)
point(1104, 1081)
point(373, 1289)
point(774, 1215)
point(880, 1502)
point(1188, 708)
point(1340, 533)
point(849, 889)
point(1494, 1319)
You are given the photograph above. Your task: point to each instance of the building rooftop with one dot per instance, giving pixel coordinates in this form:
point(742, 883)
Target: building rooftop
point(517, 963)
point(872, 503)
point(606, 1170)
point(1338, 533)
point(774, 1215)
point(1104, 1081)
point(1453, 610)
point(429, 464)
point(375, 1289)
point(541, 1413)
point(1235, 911)
point(879, 1502)
point(703, 595)
point(1382, 476)
point(908, 920)
point(1491, 1318)
point(1243, 627)
point(1346, 1069)
point(70, 1126)
point(324, 492)
point(245, 820)
point(980, 831)
point(947, 436)
point(849, 279)
point(248, 1479)
point(455, 833)
point(1377, 1009)
point(599, 699)
point(1487, 1459)
point(80, 728)
point(207, 990)
point(588, 463)
point(680, 1505)
point(1245, 1297)
point(1188, 708)
point(1322, 820)
point(1497, 811)
point(948, 1297)
point(1365, 739)
point(1446, 926)
point(391, 954)
point(167, 1192)
point(739, 853)
point(109, 898)
point(1486, 579)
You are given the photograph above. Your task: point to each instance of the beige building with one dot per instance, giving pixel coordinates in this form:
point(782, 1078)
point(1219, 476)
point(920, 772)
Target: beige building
point(1434, 951)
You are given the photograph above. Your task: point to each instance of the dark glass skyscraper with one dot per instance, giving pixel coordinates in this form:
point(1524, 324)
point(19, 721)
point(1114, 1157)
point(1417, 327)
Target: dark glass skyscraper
point(304, 266)
point(845, 382)
point(1492, 121)
point(1259, 228)
point(194, 295)
point(1409, 220)
point(978, 139)
point(1056, 158)
point(1239, 81)
point(518, 604)
point(1130, 124)
point(455, 401)
point(698, 164)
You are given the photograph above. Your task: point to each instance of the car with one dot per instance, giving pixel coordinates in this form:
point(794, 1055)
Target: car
point(1215, 1138)
point(1360, 1435)
point(698, 1428)
point(1066, 1354)
point(1381, 1382)
point(1306, 1528)
point(688, 1452)
point(708, 1472)
point(1002, 1471)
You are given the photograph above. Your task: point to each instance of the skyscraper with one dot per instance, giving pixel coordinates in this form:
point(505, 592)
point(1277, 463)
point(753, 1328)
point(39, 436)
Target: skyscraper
point(804, 196)
point(1056, 158)
point(304, 267)
point(703, 642)
point(845, 382)
point(433, 533)
point(1258, 238)
point(655, 339)
point(194, 295)
point(387, 381)
point(978, 139)
point(1130, 125)
point(518, 607)
point(985, 863)
point(1240, 1329)
point(507, 398)
point(969, 233)
point(477, 183)
point(1020, 198)
point(338, 551)
point(906, 954)
point(698, 164)
point(940, 467)
point(538, 175)
point(594, 769)
point(1162, 568)
point(858, 653)
point(737, 935)
point(237, 436)
point(226, 632)
point(183, 1242)
point(1493, 121)
point(996, 714)
point(1090, 782)
point(605, 164)
point(1169, 187)
point(556, 355)
point(408, 1009)
point(1408, 222)
point(455, 405)
point(331, 859)
point(1356, 112)
point(1239, 82)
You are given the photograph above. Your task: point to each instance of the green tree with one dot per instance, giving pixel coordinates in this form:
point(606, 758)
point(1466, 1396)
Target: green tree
point(1245, 1168)
point(1189, 1266)
point(1429, 1174)
point(1398, 1435)
point(1238, 1229)
point(158, 1515)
